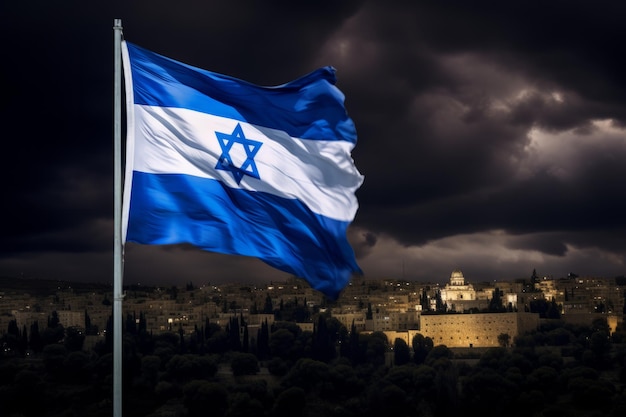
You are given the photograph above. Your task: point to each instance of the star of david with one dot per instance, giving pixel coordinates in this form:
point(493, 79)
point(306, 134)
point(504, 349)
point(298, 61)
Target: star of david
point(225, 161)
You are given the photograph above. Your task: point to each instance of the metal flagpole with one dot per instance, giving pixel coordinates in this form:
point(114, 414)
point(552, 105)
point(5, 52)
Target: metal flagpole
point(117, 240)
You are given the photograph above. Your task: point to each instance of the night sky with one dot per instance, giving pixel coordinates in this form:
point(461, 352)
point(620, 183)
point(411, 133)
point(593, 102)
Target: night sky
point(491, 134)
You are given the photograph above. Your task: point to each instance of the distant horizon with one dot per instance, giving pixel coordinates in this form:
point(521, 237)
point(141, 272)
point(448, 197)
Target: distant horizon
point(86, 283)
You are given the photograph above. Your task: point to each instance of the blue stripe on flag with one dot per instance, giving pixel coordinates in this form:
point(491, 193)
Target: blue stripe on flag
point(310, 107)
point(175, 208)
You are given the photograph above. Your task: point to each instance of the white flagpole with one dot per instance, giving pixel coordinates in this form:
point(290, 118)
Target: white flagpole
point(117, 241)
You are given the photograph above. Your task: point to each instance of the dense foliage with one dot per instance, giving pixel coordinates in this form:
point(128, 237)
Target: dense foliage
point(283, 371)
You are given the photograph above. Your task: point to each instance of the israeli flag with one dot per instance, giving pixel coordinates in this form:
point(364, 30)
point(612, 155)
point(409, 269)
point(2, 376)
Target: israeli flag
point(236, 168)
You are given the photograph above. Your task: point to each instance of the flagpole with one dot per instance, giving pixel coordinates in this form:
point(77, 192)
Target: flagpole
point(117, 206)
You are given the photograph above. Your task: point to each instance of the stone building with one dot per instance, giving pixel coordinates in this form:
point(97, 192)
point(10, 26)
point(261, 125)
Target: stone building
point(347, 319)
point(479, 330)
point(461, 296)
point(393, 321)
point(475, 330)
point(69, 318)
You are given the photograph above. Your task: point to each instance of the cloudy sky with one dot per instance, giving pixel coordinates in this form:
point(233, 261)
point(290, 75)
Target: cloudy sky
point(492, 134)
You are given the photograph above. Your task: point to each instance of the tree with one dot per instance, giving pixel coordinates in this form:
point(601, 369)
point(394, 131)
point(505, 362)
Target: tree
point(438, 355)
point(13, 329)
point(262, 344)
point(53, 359)
point(74, 339)
point(588, 392)
point(131, 324)
point(277, 366)
point(23, 341)
point(90, 329)
point(55, 332)
point(352, 351)
point(76, 367)
point(421, 347)
point(143, 324)
point(35, 342)
point(504, 339)
point(290, 403)
point(53, 319)
point(534, 280)
point(200, 396)
point(187, 367)
point(401, 352)
point(440, 306)
point(150, 368)
point(242, 404)
point(346, 382)
point(244, 364)
point(234, 341)
point(12, 338)
point(323, 342)
point(181, 336)
point(310, 375)
point(281, 343)
point(17, 398)
point(600, 325)
point(396, 400)
point(487, 386)
point(424, 301)
point(539, 306)
point(245, 344)
point(553, 311)
point(268, 307)
point(495, 304)
point(210, 329)
point(600, 347)
point(106, 346)
point(373, 348)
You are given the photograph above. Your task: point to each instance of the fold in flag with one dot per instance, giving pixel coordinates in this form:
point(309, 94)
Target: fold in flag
point(236, 168)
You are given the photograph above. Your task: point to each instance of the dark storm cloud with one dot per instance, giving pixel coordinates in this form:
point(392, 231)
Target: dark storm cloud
point(268, 43)
point(362, 242)
point(181, 263)
point(490, 133)
point(449, 162)
point(572, 43)
point(545, 243)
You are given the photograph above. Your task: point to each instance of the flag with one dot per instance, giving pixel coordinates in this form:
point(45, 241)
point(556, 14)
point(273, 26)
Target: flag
point(236, 168)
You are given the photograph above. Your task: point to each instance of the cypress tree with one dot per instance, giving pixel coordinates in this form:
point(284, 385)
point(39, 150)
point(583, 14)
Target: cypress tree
point(35, 342)
point(246, 343)
point(263, 337)
point(269, 308)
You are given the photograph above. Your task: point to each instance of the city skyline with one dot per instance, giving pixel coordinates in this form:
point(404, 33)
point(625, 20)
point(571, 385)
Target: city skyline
point(491, 136)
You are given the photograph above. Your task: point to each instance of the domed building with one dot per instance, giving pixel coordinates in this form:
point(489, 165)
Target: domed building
point(460, 296)
point(457, 279)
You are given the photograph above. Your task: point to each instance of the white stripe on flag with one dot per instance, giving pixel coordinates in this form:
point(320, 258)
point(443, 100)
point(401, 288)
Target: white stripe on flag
point(181, 141)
